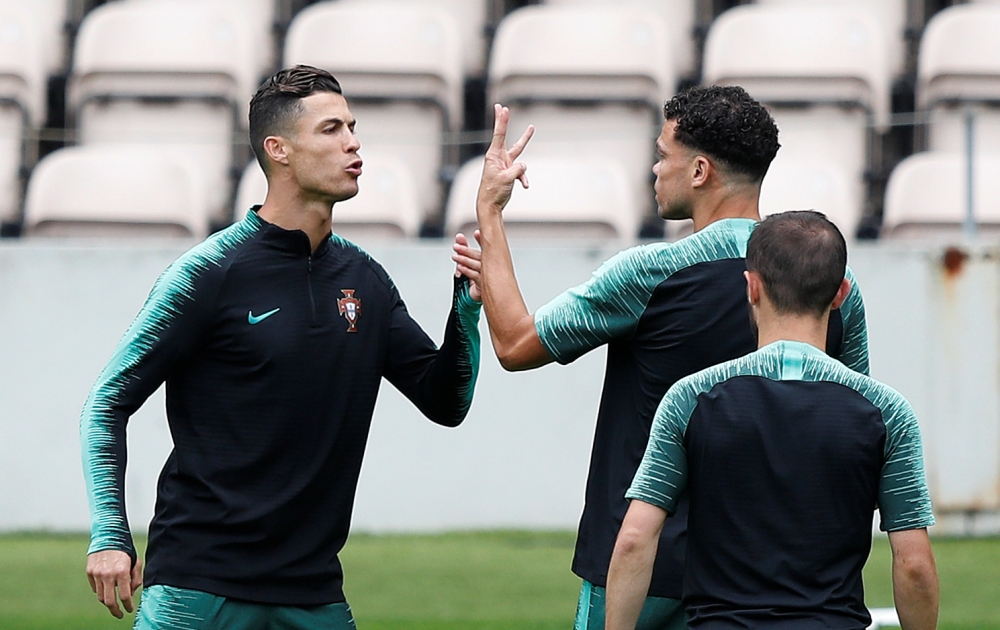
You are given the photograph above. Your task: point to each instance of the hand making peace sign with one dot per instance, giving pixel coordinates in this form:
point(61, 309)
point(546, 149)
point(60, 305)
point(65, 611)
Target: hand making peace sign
point(499, 168)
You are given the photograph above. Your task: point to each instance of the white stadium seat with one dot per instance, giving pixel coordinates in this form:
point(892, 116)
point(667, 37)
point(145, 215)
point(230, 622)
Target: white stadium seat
point(814, 53)
point(568, 198)
point(251, 191)
point(259, 15)
point(22, 99)
point(927, 195)
point(115, 191)
point(679, 17)
point(174, 75)
point(401, 69)
point(386, 206)
point(49, 18)
point(823, 72)
point(592, 79)
point(891, 15)
point(811, 184)
point(471, 17)
point(959, 69)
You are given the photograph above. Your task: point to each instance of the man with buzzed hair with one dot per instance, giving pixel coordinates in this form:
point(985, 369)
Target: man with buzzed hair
point(785, 454)
point(665, 310)
point(272, 337)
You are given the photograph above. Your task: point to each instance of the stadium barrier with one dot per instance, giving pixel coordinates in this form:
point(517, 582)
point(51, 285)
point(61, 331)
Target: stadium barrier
point(519, 460)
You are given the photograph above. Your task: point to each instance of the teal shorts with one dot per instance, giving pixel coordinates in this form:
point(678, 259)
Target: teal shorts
point(658, 613)
point(170, 608)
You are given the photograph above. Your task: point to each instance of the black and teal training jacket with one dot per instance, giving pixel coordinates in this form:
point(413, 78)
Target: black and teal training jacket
point(272, 356)
point(665, 311)
point(784, 455)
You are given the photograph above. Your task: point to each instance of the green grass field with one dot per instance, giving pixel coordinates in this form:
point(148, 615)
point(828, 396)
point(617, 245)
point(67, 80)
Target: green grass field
point(459, 581)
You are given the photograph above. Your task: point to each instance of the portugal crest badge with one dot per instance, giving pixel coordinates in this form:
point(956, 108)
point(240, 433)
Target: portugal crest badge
point(350, 309)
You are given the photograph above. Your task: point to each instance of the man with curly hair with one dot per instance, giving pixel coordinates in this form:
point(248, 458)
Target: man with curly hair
point(665, 310)
point(787, 454)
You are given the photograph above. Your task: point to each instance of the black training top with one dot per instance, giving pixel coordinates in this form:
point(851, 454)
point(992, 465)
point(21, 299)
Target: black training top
point(665, 310)
point(272, 357)
point(785, 454)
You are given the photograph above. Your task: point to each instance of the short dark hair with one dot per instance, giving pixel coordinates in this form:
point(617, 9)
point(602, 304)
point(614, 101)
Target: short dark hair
point(727, 124)
point(801, 258)
point(276, 103)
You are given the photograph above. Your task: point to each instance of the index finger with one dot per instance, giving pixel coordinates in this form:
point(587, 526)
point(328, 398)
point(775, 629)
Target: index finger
point(518, 146)
point(500, 117)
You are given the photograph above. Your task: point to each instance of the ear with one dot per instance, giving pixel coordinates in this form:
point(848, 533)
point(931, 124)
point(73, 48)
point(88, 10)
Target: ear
point(276, 149)
point(701, 170)
point(842, 293)
point(754, 287)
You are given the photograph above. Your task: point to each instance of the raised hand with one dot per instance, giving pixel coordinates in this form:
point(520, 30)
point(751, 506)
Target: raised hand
point(500, 170)
point(468, 263)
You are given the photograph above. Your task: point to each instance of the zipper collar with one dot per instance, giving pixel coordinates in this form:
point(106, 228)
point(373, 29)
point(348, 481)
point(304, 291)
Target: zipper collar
point(291, 241)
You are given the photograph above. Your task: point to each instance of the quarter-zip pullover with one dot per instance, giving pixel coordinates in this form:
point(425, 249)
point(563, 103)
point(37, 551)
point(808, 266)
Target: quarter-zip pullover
point(666, 310)
point(272, 356)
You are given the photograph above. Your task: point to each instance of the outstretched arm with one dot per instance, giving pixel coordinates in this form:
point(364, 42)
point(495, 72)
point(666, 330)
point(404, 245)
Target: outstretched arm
point(512, 328)
point(439, 381)
point(632, 564)
point(914, 579)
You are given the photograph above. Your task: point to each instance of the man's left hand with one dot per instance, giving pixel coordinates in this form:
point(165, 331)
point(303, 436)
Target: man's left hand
point(468, 263)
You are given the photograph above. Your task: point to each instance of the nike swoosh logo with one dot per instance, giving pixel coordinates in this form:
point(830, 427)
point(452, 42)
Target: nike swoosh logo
point(256, 319)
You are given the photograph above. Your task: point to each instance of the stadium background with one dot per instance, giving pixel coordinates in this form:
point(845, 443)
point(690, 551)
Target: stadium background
point(95, 202)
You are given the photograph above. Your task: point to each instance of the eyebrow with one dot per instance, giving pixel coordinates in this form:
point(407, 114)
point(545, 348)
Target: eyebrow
point(337, 119)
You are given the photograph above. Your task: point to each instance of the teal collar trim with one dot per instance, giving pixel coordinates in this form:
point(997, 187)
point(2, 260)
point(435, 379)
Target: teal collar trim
point(792, 357)
point(738, 224)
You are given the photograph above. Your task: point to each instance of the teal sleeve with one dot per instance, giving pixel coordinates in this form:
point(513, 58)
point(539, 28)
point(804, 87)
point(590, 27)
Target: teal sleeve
point(439, 381)
point(606, 306)
point(663, 472)
point(162, 333)
point(468, 311)
point(609, 305)
point(854, 348)
point(903, 498)
point(167, 328)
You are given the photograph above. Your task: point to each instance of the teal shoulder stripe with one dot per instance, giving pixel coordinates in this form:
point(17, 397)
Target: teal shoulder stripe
point(339, 241)
point(662, 475)
point(102, 428)
point(904, 500)
point(610, 304)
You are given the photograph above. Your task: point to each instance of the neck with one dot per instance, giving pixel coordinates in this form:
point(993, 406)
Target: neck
point(288, 208)
point(732, 202)
point(809, 329)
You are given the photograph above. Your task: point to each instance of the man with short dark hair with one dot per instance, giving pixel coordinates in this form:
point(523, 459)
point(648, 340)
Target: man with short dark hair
point(785, 454)
point(273, 337)
point(666, 310)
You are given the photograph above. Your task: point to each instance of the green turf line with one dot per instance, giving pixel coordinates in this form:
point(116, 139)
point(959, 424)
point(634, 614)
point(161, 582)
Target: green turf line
point(458, 581)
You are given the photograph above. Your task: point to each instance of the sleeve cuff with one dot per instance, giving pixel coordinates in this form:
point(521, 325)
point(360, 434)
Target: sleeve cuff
point(661, 501)
point(463, 299)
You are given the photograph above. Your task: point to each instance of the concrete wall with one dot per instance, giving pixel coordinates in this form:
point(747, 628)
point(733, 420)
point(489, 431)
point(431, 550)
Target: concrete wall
point(520, 459)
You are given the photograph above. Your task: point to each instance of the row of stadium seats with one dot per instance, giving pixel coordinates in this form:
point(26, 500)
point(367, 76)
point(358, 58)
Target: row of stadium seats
point(165, 83)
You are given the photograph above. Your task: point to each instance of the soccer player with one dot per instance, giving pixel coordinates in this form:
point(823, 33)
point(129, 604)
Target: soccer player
point(272, 337)
point(666, 310)
point(785, 454)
